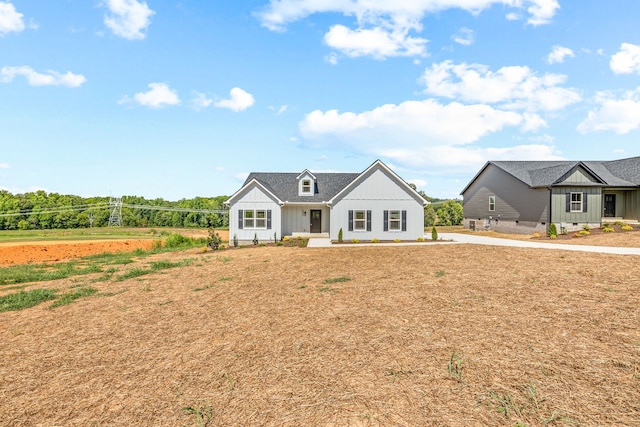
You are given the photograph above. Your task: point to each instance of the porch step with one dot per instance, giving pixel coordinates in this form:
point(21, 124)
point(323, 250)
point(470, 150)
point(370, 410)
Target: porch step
point(310, 235)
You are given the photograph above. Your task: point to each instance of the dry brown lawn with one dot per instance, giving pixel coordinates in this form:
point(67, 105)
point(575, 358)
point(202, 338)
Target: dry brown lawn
point(443, 335)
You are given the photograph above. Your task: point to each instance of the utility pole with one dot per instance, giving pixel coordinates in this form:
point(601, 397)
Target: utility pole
point(115, 206)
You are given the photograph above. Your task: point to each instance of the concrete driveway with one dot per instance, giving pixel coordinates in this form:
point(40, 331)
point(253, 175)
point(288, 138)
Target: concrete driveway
point(453, 238)
point(493, 241)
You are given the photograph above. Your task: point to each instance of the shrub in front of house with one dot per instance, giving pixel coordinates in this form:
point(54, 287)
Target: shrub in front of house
point(607, 230)
point(553, 231)
point(340, 235)
point(434, 233)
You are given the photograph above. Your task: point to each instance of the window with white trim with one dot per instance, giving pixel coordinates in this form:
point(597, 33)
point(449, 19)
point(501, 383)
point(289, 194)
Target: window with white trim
point(359, 220)
point(576, 202)
point(306, 186)
point(492, 203)
point(249, 219)
point(394, 220)
point(261, 219)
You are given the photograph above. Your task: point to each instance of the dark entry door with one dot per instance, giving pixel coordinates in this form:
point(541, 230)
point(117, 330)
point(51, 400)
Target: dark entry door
point(609, 205)
point(316, 221)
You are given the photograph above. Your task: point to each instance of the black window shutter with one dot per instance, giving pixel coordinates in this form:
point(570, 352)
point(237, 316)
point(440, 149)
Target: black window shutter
point(269, 219)
point(386, 221)
point(240, 219)
point(584, 201)
point(568, 202)
point(368, 220)
point(404, 220)
point(350, 220)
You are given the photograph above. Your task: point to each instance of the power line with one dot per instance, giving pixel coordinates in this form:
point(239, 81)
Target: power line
point(85, 207)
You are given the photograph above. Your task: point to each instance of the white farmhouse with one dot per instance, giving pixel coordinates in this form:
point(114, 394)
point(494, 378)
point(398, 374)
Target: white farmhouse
point(374, 204)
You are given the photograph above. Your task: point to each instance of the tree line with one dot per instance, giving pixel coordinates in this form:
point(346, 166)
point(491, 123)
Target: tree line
point(41, 210)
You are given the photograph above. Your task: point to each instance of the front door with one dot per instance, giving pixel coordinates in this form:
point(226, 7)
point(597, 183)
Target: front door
point(609, 205)
point(316, 221)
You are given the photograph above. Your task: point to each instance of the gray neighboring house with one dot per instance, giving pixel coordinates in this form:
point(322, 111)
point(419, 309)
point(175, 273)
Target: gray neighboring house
point(526, 196)
point(375, 203)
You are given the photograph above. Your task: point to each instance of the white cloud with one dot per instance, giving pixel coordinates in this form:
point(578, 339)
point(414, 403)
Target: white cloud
point(422, 132)
point(10, 19)
point(4, 165)
point(280, 110)
point(514, 87)
point(50, 78)
point(279, 13)
point(417, 182)
point(382, 27)
point(558, 54)
point(332, 58)
point(627, 60)
point(239, 100)
point(542, 11)
point(128, 19)
point(464, 36)
point(377, 42)
point(159, 95)
point(200, 101)
point(619, 115)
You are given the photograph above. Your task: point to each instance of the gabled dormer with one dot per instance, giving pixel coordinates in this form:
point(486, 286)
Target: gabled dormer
point(306, 183)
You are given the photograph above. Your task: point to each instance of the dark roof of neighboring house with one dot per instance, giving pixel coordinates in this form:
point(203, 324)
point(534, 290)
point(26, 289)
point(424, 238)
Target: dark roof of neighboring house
point(612, 173)
point(285, 185)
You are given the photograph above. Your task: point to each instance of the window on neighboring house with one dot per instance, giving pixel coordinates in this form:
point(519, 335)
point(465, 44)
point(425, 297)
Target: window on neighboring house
point(492, 203)
point(359, 220)
point(306, 186)
point(576, 202)
point(394, 220)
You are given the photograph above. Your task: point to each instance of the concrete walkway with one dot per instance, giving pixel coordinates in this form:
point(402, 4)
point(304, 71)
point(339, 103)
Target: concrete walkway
point(453, 238)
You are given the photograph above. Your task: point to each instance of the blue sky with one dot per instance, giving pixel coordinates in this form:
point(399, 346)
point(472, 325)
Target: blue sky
point(177, 99)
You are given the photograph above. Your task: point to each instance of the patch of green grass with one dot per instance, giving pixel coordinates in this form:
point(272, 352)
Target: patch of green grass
point(25, 299)
point(163, 265)
point(202, 415)
point(133, 273)
point(440, 273)
point(223, 259)
point(505, 404)
point(225, 279)
point(337, 280)
point(326, 289)
point(70, 297)
point(42, 272)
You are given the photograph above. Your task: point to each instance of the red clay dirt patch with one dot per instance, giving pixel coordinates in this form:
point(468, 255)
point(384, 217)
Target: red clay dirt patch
point(21, 253)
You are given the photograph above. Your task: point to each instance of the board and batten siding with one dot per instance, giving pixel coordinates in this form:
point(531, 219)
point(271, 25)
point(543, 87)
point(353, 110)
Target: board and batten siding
point(579, 176)
point(377, 192)
point(515, 200)
point(631, 204)
point(254, 199)
point(297, 218)
point(593, 214)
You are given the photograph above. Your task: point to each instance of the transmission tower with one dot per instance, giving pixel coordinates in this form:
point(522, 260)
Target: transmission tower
point(115, 206)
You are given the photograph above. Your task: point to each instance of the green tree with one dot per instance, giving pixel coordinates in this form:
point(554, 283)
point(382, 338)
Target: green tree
point(450, 213)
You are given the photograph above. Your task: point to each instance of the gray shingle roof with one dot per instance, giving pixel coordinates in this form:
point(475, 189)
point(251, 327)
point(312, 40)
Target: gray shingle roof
point(285, 185)
point(614, 173)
